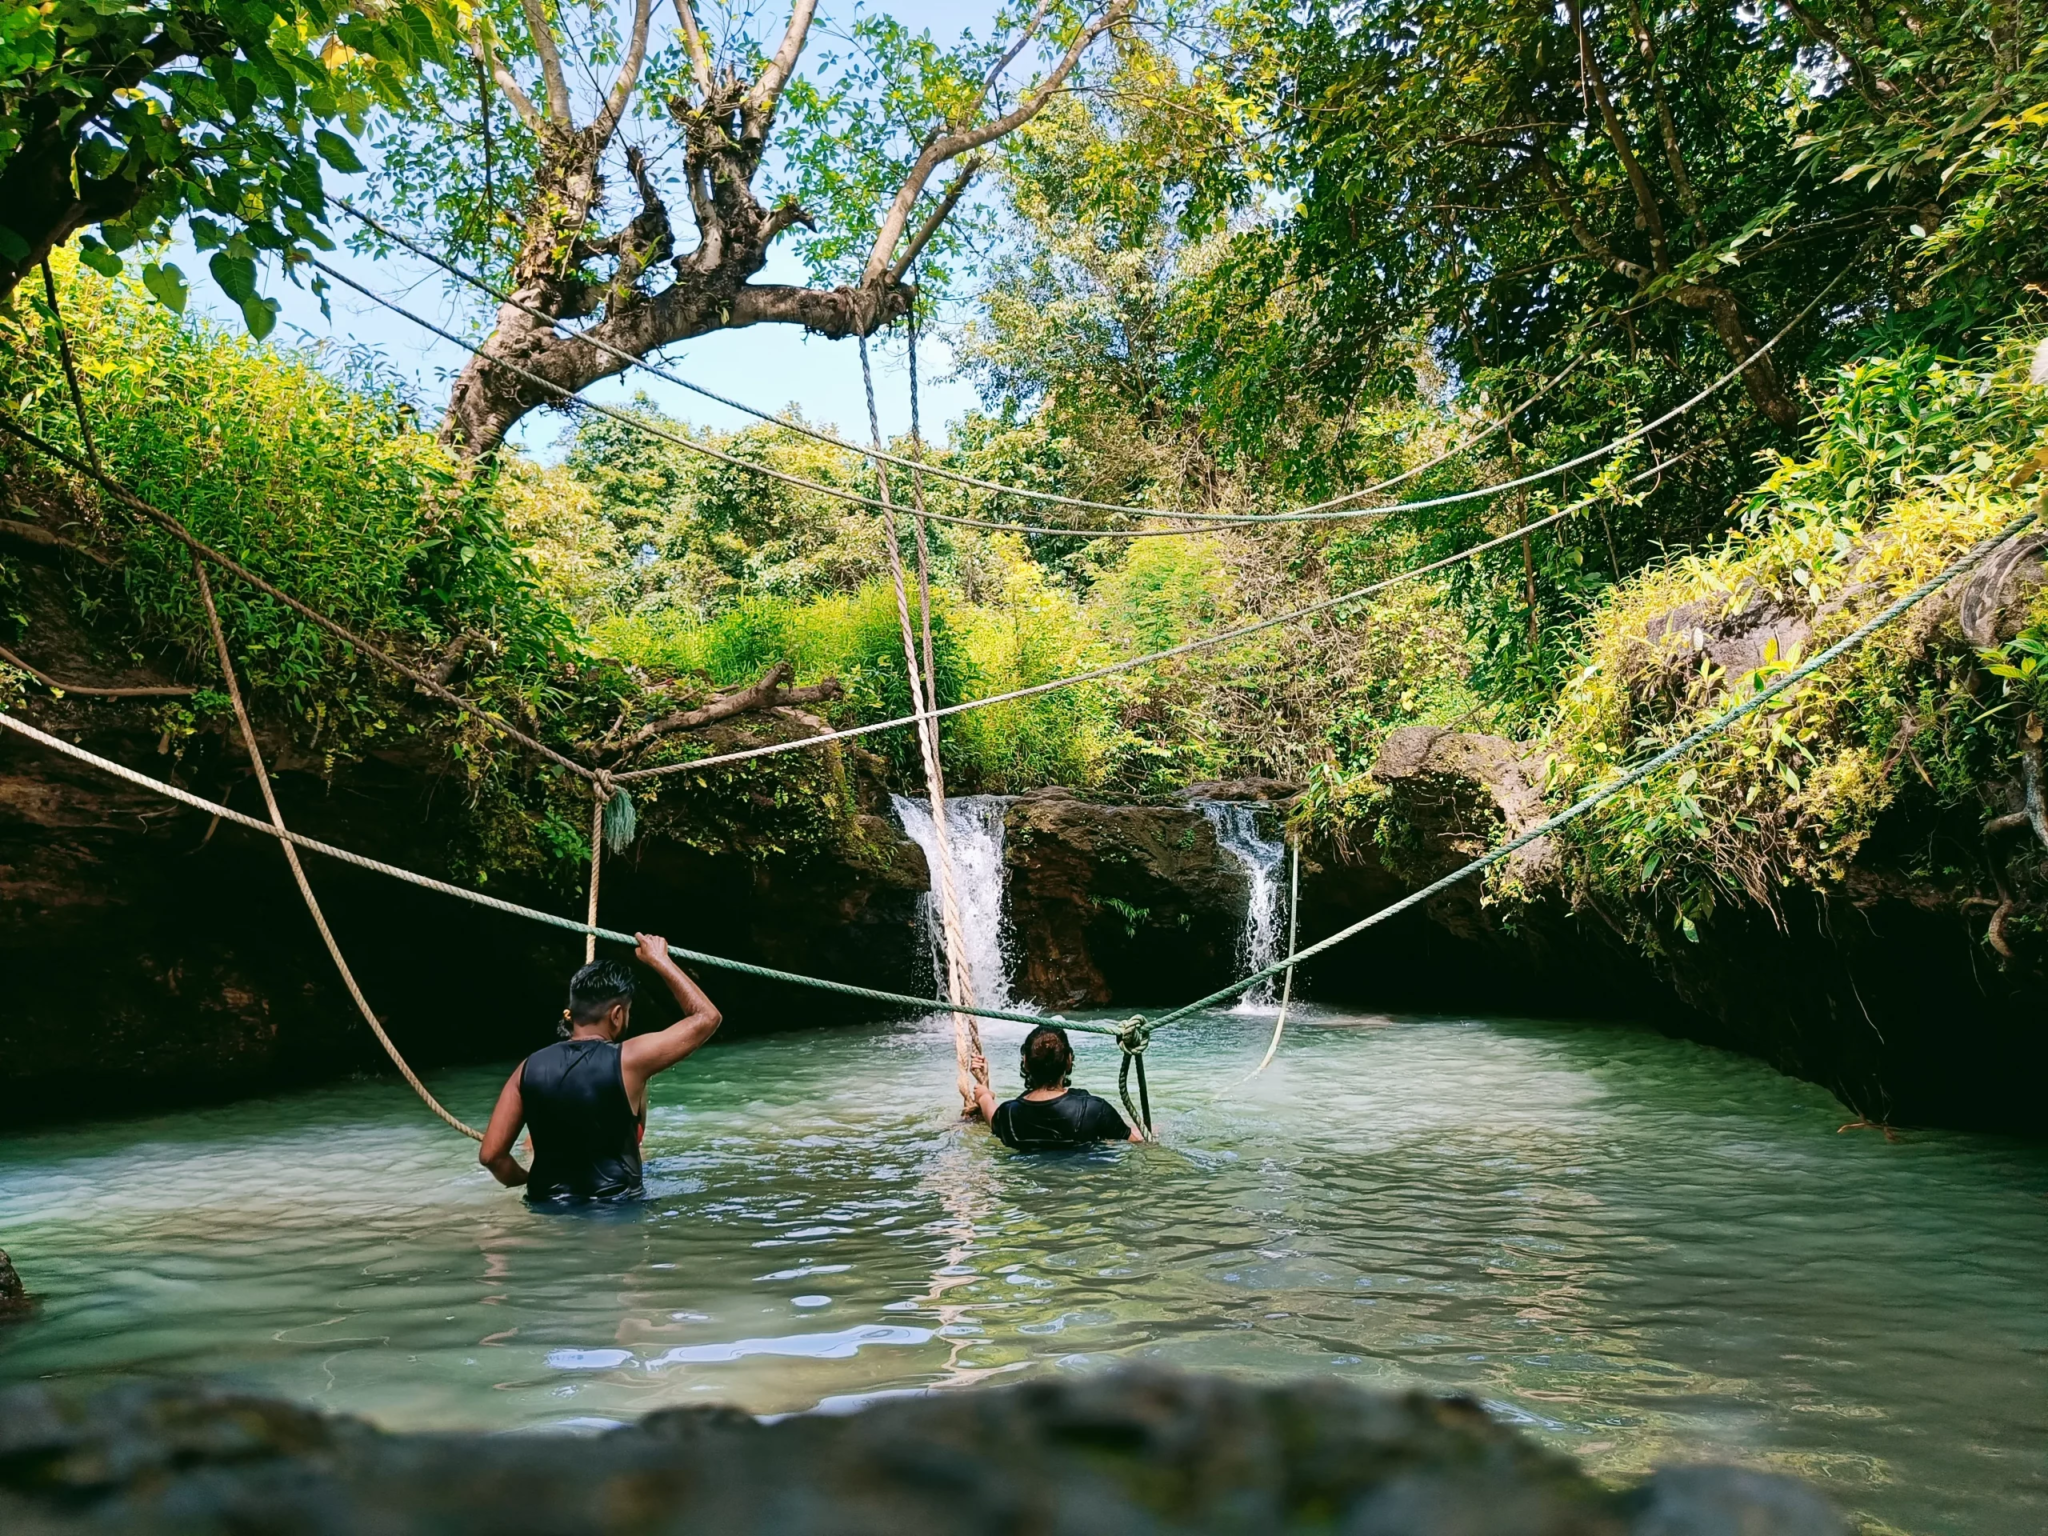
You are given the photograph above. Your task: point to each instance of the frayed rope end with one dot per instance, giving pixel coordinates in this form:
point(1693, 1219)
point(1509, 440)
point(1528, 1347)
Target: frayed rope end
point(621, 821)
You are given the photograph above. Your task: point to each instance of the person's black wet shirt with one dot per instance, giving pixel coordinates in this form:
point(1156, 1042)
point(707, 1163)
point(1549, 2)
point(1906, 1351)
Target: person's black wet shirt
point(1075, 1119)
point(586, 1135)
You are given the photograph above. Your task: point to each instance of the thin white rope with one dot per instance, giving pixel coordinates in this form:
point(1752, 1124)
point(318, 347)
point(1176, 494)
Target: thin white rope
point(569, 396)
point(1134, 1033)
point(957, 477)
point(1130, 663)
point(499, 904)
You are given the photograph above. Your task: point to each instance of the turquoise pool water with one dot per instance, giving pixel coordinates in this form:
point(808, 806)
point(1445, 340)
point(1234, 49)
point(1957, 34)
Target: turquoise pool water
point(1641, 1250)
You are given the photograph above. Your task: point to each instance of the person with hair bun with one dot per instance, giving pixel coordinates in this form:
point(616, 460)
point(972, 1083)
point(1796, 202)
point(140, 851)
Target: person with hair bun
point(1050, 1113)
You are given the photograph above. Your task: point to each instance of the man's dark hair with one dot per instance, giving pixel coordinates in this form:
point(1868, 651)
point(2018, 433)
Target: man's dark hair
point(1046, 1057)
point(594, 989)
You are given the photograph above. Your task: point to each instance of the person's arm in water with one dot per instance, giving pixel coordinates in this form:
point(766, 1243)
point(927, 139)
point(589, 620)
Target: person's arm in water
point(644, 1055)
point(984, 1099)
point(506, 1119)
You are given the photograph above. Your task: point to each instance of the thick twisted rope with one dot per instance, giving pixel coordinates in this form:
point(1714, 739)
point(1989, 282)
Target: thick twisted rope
point(291, 857)
point(924, 696)
point(922, 1005)
point(1135, 1033)
point(959, 970)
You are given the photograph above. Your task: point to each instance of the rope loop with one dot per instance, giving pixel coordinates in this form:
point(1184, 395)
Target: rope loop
point(602, 785)
point(1132, 1036)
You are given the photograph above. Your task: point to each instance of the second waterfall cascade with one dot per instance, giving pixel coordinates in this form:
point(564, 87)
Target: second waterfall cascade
point(1263, 857)
point(974, 832)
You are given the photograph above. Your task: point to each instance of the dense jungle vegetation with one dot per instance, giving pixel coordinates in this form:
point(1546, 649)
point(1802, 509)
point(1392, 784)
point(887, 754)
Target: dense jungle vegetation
point(1198, 258)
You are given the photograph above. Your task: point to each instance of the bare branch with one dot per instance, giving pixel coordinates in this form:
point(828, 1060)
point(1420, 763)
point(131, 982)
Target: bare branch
point(1617, 134)
point(767, 90)
point(768, 693)
point(1674, 156)
point(164, 692)
point(693, 42)
point(550, 61)
point(443, 670)
point(934, 220)
point(1591, 243)
point(953, 145)
point(42, 538)
point(479, 40)
point(629, 72)
point(988, 84)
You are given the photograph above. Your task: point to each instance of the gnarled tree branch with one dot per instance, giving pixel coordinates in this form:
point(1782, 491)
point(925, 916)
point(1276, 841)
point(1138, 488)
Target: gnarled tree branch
point(770, 692)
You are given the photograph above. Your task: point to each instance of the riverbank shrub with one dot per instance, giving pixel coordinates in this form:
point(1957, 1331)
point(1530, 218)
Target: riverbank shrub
point(1915, 457)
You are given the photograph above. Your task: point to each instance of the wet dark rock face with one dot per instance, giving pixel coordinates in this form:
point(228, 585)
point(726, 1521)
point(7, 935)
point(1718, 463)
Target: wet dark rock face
point(1116, 903)
point(1880, 991)
point(1133, 1452)
point(152, 962)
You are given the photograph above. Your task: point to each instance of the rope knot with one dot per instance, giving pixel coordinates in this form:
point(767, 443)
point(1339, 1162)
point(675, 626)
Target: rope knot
point(603, 785)
point(1132, 1036)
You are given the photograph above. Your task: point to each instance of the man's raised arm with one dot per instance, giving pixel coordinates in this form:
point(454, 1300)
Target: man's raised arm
point(645, 1055)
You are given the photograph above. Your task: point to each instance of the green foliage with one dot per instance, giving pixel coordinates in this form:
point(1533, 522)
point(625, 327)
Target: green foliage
point(323, 489)
point(1913, 461)
point(1946, 115)
point(328, 491)
point(146, 111)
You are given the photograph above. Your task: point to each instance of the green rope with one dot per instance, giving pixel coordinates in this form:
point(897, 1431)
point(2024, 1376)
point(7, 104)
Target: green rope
point(1601, 796)
point(1133, 1034)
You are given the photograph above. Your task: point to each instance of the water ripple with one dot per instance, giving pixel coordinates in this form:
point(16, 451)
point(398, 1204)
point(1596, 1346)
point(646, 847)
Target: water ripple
point(1635, 1247)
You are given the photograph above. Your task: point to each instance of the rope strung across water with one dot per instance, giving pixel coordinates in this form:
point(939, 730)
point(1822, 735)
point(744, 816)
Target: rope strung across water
point(233, 567)
point(291, 857)
point(512, 908)
point(915, 464)
point(1134, 1034)
point(1608, 791)
point(568, 396)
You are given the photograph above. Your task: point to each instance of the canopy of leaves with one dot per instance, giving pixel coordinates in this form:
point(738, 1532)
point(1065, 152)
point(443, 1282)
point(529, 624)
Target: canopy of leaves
point(122, 116)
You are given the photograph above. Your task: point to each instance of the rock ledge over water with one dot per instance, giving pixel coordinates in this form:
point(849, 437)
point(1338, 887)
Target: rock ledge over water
point(1134, 1451)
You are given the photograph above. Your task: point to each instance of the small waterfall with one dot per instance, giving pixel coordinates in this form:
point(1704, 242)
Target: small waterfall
point(1263, 857)
point(974, 832)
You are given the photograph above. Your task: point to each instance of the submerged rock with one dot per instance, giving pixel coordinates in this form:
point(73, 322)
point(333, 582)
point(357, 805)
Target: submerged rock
point(1134, 1451)
point(13, 1295)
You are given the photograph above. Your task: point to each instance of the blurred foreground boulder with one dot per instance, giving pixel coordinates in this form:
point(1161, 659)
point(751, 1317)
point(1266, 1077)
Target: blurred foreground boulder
point(1130, 1452)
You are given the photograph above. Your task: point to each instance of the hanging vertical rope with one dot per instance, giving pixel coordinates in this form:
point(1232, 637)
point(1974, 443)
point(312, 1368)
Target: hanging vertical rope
point(596, 868)
point(959, 979)
point(967, 1028)
point(291, 856)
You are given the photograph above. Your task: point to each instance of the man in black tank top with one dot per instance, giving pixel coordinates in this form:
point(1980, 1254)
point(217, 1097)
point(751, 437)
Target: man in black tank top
point(585, 1097)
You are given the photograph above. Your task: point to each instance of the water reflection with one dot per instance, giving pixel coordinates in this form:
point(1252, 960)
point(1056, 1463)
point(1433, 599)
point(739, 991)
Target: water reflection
point(1637, 1248)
